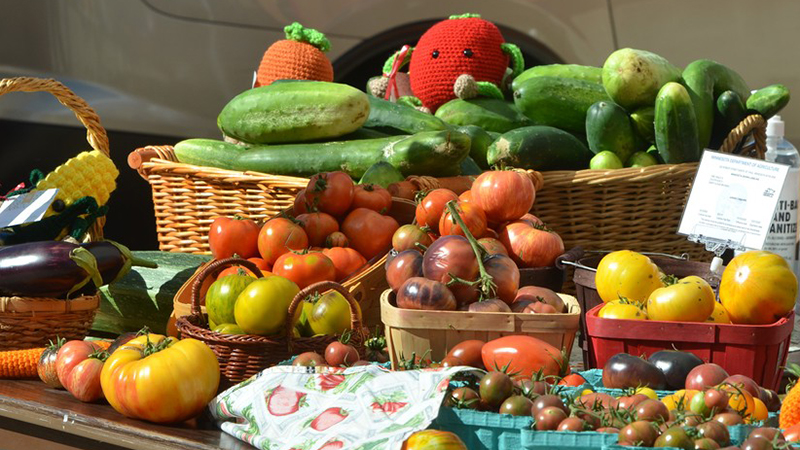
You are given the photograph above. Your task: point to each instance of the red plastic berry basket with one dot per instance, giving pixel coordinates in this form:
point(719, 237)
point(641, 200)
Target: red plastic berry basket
point(757, 351)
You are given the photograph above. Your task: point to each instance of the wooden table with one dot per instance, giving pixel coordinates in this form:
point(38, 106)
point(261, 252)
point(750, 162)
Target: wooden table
point(33, 416)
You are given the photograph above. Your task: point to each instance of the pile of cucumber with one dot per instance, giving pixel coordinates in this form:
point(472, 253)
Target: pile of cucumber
point(639, 109)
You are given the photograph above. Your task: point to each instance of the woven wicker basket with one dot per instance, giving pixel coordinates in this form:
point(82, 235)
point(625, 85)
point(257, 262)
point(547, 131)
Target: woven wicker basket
point(242, 356)
point(31, 322)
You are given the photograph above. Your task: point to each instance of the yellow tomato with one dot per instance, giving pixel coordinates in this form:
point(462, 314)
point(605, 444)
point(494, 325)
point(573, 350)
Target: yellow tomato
point(622, 310)
point(760, 411)
point(645, 390)
point(758, 288)
point(627, 274)
point(586, 392)
point(679, 400)
point(330, 314)
point(719, 315)
point(691, 299)
point(263, 305)
point(740, 400)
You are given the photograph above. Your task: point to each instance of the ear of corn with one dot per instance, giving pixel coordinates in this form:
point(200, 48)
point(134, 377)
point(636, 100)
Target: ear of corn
point(88, 174)
point(20, 363)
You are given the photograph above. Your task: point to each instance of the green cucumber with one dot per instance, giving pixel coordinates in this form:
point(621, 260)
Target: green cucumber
point(706, 80)
point(387, 116)
point(575, 71)
point(491, 114)
point(558, 102)
point(676, 125)
point(294, 112)
point(643, 120)
point(608, 127)
point(469, 167)
point(382, 173)
point(433, 153)
point(539, 148)
point(633, 77)
point(729, 112)
point(363, 133)
point(769, 101)
point(494, 135)
point(208, 152)
point(480, 140)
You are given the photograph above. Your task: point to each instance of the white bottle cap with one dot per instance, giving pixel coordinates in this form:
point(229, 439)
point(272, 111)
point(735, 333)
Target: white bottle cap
point(775, 127)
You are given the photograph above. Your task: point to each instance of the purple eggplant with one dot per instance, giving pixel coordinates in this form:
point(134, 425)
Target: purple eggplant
point(53, 269)
point(114, 260)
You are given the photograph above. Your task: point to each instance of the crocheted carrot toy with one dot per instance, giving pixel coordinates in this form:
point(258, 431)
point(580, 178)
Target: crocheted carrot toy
point(298, 57)
point(463, 56)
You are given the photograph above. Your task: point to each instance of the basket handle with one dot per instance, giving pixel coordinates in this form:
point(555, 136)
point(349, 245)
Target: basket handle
point(573, 255)
point(95, 133)
point(319, 288)
point(138, 157)
point(754, 123)
point(212, 269)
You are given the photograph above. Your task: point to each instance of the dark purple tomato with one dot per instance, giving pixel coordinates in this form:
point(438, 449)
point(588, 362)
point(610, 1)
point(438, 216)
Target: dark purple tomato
point(495, 388)
point(756, 443)
point(651, 410)
point(549, 418)
point(516, 405)
point(422, 293)
point(121, 340)
point(770, 399)
point(705, 376)
point(543, 401)
point(705, 444)
point(714, 430)
point(715, 399)
point(572, 424)
point(463, 398)
point(674, 437)
point(641, 433)
point(729, 419)
point(623, 371)
point(505, 274)
point(676, 365)
point(493, 246)
point(744, 383)
point(532, 389)
point(407, 264)
point(469, 352)
point(491, 305)
point(452, 361)
point(768, 433)
point(541, 294)
point(450, 255)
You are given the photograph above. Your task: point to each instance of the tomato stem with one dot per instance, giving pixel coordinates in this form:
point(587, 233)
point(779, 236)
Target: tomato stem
point(487, 287)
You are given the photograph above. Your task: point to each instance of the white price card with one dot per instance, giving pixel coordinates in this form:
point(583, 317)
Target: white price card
point(26, 208)
point(733, 198)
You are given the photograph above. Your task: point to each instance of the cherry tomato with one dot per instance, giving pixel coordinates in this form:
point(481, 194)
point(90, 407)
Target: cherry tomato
point(318, 226)
point(309, 359)
point(305, 269)
point(372, 196)
point(503, 195)
point(705, 376)
point(228, 236)
point(278, 236)
point(431, 208)
point(473, 218)
point(516, 405)
point(548, 418)
point(494, 388)
point(330, 192)
point(640, 433)
point(346, 261)
point(339, 354)
point(336, 239)
point(369, 232)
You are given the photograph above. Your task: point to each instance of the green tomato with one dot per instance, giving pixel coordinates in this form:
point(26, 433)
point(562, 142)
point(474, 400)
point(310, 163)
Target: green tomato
point(228, 328)
point(331, 314)
point(605, 160)
point(263, 306)
point(641, 159)
point(221, 297)
point(301, 323)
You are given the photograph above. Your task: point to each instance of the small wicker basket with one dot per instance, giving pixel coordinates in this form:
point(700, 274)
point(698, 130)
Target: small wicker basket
point(31, 322)
point(242, 356)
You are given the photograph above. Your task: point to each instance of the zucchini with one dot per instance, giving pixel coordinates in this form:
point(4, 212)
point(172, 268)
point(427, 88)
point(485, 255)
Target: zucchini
point(558, 102)
point(706, 80)
point(633, 77)
point(480, 141)
point(208, 152)
point(539, 148)
point(676, 125)
point(768, 101)
point(294, 112)
point(574, 71)
point(729, 112)
point(391, 117)
point(382, 173)
point(643, 120)
point(608, 127)
point(491, 114)
point(434, 153)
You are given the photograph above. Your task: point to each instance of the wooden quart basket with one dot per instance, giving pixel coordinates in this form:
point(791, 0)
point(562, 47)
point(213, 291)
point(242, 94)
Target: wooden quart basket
point(31, 322)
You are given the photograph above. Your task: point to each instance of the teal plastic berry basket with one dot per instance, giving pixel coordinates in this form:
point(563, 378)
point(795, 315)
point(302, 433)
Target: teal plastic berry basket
point(483, 430)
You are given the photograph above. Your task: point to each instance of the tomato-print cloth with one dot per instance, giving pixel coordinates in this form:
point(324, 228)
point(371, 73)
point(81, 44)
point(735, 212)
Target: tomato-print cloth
point(359, 408)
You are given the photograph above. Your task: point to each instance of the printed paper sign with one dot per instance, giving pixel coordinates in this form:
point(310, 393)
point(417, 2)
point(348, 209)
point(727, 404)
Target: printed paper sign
point(26, 208)
point(733, 198)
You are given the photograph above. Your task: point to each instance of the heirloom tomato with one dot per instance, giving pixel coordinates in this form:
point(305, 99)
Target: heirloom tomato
point(758, 288)
point(622, 309)
point(627, 274)
point(70, 355)
point(330, 314)
point(504, 195)
point(407, 264)
point(305, 268)
point(422, 293)
point(523, 355)
point(719, 315)
point(473, 218)
point(330, 192)
point(263, 306)
point(46, 367)
point(228, 236)
point(691, 299)
point(83, 381)
point(433, 440)
point(372, 196)
point(278, 236)
point(530, 244)
point(346, 261)
point(336, 239)
point(222, 295)
point(505, 274)
point(431, 208)
point(300, 204)
point(234, 269)
point(408, 236)
point(318, 226)
point(160, 379)
point(492, 246)
point(369, 232)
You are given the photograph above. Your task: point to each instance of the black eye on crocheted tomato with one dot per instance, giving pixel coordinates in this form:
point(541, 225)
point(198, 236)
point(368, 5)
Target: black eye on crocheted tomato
point(435, 54)
point(467, 52)
point(59, 205)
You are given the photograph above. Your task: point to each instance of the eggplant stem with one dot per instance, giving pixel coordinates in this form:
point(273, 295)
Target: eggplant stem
point(487, 287)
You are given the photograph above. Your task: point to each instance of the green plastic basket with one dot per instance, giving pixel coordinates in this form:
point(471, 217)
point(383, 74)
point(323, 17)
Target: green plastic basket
point(483, 430)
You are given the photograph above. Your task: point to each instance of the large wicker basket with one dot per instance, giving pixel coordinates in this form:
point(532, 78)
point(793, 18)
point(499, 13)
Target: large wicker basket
point(31, 322)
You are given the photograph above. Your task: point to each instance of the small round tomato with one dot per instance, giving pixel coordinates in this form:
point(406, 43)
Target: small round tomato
point(531, 245)
point(278, 236)
point(627, 274)
point(405, 265)
point(369, 232)
point(372, 196)
point(263, 306)
point(620, 309)
point(318, 226)
point(330, 192)
point(336, 239)
point(408, 236)
point(572, 379)
point(229, 236)
point(691, 299)
point(505, 275)
point(331, 314)
point(46, 367)
point(431, 208)
point(503, 195)
point(758, 288)
point(473, 218)
point(347, 261)
point(305, 269)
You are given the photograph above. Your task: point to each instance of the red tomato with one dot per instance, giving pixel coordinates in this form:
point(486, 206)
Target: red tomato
point(301, 204)
point(372, 196)
point(346, 261)
point(278, 236)
point(472, 216)
point(531, 245)
point(528, 217)
point(490, 233)
point(465, 197)
point(227, 237)
point(572, 379)
point(503, 194)
point(336, 239)
point(330, 192)
point(432, 206)
point(493, 246)
point(523, 355)
point(318, 226)
point(305, 269)
point(70, 355)
point(84, 380)
point(234, 270)
point(369, 233)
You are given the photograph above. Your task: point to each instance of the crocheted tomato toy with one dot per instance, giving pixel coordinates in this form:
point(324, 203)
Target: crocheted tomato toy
point(301, 56)
point(463, 56)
